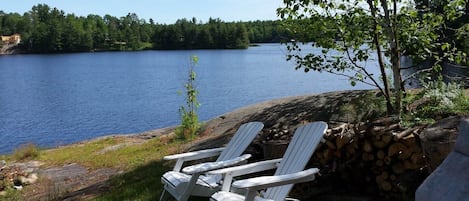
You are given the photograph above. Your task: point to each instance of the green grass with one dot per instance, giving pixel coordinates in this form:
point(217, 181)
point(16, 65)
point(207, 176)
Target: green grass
point(141, 162)
point(12, 195)
point(93, 155)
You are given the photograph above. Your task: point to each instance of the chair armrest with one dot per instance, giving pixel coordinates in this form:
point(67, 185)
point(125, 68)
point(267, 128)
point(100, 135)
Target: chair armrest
point(271, 181)
point(190, 156)
point(248, 168)
point(231, 172)
point(194, 155)
point(205, 167)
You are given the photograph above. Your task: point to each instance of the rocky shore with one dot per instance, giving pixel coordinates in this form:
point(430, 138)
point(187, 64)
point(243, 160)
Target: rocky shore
point(7, 49)
point(281, 117)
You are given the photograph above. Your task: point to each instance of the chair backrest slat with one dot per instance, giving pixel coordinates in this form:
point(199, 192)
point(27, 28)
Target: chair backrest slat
point(299, 151)
point(240, 140)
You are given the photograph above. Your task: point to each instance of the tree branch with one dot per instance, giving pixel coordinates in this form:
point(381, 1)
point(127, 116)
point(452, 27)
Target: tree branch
point(416, 73)
point(351, 77)
point(349, 56)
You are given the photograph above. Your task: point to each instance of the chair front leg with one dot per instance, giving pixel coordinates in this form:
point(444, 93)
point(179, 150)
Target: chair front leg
point(164, 195)
point(187, 191)
point(250, 195)
point(227, 180)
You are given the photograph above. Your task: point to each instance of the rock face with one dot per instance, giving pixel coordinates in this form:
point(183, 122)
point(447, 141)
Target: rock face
point(7, 49)
point(438, 140)
point(278, 113)
point(72, 182)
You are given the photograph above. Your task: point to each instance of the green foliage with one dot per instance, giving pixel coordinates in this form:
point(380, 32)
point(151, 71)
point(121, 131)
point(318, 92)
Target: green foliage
point(25, 152)
point(190, 124)
point(433, 32)
point(50, 30)
point(442, 94)
point(349, 33)
point(436, 100)
point(215, 34)
point(462, 37)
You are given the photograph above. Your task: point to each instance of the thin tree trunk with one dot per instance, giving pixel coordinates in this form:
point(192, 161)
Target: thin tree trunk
point(391, 30)
point(397, 63)
point(387, 93)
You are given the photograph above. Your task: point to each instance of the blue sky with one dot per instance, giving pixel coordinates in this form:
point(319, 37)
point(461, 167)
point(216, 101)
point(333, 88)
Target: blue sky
point(162, 11)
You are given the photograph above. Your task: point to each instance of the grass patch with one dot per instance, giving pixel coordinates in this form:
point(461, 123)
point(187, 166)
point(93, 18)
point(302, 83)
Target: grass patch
point(141, 160)
point(142, 163)
point(12, 195)
point(125, 155)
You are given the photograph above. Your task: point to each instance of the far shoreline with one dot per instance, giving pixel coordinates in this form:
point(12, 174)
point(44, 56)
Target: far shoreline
point(22, 51)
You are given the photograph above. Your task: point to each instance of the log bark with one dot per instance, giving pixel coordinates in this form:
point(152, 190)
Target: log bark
point(383, 141)
point(398, 168)
point(367, 146)
point(386, 121)
point(406, 133)
point(396, 149)
point(380, 154)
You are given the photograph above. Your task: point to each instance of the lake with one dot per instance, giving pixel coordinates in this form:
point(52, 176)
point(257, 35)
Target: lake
point(52, 100)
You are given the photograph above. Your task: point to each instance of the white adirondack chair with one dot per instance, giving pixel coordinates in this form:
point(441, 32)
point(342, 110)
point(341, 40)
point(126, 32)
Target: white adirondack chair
point(290, 170)
point(192, 181)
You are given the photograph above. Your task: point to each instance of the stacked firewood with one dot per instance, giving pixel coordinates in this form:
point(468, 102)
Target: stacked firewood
point(383, 147)
point(382, 151)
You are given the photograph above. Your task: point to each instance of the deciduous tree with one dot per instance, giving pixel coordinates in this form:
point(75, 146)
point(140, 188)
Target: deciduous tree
point(350, 31)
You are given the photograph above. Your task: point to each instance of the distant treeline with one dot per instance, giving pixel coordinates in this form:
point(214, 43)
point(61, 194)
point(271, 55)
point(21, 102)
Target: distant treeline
point(48, 30)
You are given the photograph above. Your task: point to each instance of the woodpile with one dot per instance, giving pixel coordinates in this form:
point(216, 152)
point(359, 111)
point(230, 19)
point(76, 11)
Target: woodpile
point(382, 153)
point(382, 148)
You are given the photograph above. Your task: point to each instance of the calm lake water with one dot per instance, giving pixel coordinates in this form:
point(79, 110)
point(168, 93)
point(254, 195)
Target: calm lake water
point(52, 100)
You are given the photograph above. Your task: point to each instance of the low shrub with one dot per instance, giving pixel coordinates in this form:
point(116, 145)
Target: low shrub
point(435, 101)
point(27, 151)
